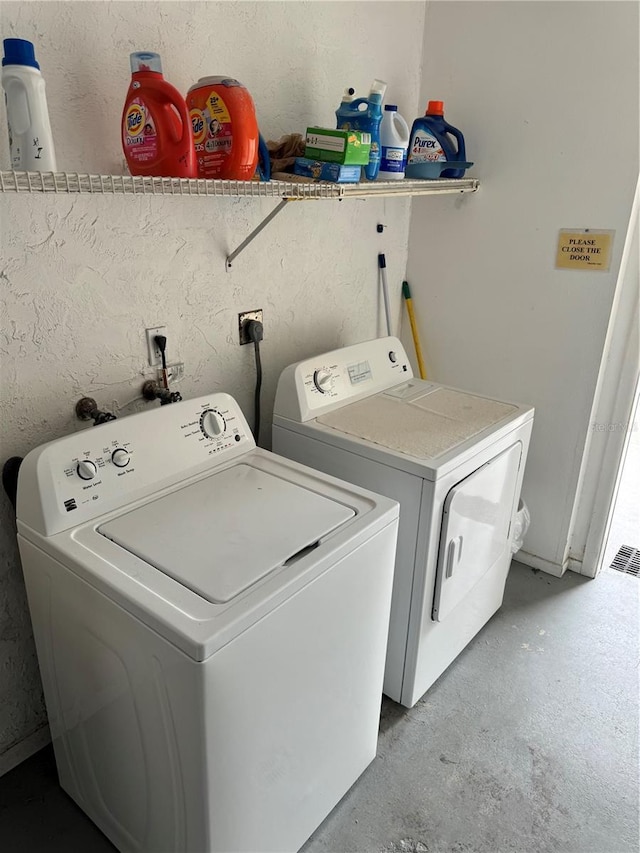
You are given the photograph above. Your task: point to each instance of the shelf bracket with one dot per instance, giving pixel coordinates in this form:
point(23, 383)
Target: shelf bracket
point(231, 258)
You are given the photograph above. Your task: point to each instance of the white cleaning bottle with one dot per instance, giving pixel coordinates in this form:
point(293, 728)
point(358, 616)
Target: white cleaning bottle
point(30, 138)
point(394, 141)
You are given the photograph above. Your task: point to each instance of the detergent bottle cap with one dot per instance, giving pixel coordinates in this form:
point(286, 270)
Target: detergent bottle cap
point(392, 108)
point(145, 60)
point(349, 95)
point(435, 108)
point(19, 52)
point(378, 88)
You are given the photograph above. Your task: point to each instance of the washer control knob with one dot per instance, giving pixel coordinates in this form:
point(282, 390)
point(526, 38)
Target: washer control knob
point(86, 469)
point(323, 380)
point(212, 423)
point(120, 457)
point(393, 357)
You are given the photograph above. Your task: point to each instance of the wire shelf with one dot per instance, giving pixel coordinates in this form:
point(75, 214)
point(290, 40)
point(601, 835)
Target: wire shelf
point(75, 182)
point(408, 187)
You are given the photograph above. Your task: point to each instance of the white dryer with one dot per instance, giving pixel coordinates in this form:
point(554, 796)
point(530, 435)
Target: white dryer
point(211, 626)
point(453, 460)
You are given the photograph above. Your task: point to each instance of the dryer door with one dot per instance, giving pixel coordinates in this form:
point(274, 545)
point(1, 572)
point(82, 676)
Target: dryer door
point(476, 526)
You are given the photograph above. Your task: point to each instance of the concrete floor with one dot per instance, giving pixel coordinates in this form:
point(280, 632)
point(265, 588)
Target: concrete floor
point(529, 742)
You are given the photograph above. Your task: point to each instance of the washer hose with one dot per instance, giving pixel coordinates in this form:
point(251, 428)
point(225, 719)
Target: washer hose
point(255, 332)
point(10, 478)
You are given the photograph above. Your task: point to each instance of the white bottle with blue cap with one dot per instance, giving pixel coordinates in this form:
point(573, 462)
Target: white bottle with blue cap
point(394, 141)
point(30, 137)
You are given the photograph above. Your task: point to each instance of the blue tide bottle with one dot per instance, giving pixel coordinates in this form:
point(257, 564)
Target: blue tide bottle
point(365, 115)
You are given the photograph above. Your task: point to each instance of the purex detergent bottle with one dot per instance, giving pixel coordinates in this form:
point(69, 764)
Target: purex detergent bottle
point(157, 137)
point(434, 141)
point(365, 115)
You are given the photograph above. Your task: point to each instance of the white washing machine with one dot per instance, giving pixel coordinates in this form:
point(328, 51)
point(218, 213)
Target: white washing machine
point(453, 460)
point(211, 625)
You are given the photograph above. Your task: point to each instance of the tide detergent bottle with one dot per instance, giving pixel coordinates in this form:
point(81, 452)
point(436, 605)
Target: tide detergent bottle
point(434, 143)
point(157, 137)
point(225, 129)
point(365, 115)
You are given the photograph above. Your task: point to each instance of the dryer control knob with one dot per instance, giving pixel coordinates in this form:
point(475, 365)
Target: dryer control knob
point(86, 469)
point(212, 423)
point(323, 380)
point(120, 457)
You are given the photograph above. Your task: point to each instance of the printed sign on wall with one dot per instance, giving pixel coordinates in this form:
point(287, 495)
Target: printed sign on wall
point(584, 249)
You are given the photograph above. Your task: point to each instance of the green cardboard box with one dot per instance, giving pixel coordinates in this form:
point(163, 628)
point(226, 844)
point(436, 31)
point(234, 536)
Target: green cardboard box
point(349, 147)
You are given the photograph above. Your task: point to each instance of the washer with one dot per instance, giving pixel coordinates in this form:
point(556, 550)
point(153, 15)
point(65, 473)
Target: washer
point(453, 460)
point(211, 625)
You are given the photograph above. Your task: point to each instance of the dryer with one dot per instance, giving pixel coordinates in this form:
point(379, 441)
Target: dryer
point(453, 460)
point(211, 624)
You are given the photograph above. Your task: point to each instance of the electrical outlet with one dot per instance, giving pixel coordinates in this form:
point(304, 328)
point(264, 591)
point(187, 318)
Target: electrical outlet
point(175, 372)
point(243, 319)
point(155, 356)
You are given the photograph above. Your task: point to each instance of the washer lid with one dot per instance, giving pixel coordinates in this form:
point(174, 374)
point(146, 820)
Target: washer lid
point(222, 534)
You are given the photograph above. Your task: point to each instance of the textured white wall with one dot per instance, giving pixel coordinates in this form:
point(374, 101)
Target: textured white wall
point(547, 96)
point(83, 276)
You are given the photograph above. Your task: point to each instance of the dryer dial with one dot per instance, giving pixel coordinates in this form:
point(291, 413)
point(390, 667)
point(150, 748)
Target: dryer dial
point(212, 423)
point(323, 380)
point(86, 469)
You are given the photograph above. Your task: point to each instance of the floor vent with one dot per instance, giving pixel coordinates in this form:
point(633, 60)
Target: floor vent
point(627, 561)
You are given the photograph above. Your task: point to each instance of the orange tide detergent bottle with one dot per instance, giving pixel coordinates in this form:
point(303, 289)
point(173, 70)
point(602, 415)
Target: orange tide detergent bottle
point(225, 129)
point(156, 129)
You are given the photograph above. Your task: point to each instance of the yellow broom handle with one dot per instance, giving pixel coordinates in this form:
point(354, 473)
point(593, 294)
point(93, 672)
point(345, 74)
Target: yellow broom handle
point(406, 292)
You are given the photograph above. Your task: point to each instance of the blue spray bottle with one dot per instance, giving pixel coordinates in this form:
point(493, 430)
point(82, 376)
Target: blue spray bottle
point(365, 115)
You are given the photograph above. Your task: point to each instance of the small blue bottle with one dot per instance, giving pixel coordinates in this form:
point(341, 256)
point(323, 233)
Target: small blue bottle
point(365, 115)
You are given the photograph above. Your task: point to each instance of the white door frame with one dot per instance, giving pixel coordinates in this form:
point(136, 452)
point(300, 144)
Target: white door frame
point(611, 414)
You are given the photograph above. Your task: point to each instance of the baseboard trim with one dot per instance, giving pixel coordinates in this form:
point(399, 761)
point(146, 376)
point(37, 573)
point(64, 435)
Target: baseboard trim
point(577, 566)
point(536, 562)
point(25, 749)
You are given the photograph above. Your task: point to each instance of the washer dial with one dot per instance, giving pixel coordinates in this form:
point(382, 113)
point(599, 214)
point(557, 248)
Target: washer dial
point(86, 469)
point(212, 423)
point(120, 457)
point(323, 380)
